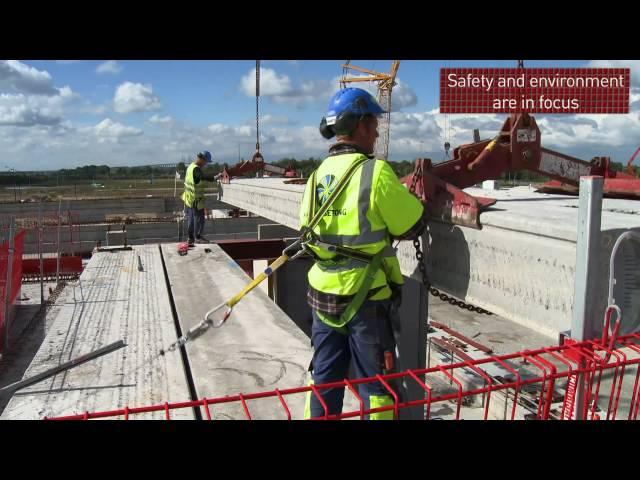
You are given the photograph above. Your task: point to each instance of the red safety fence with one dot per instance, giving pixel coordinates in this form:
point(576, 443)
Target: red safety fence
point(71, 265)
point(49, 236)
point(16, 277)
point(539, 384)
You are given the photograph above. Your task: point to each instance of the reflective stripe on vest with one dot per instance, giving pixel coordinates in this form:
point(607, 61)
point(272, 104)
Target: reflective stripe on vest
point(344, 276)
point(365, 236)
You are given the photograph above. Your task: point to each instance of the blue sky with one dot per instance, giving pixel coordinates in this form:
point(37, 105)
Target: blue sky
point(63, 114)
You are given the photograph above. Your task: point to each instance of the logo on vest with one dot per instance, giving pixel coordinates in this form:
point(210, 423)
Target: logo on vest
point(325, 188)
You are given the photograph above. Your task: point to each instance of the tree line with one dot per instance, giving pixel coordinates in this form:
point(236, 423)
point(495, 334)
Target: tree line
point(305, 166)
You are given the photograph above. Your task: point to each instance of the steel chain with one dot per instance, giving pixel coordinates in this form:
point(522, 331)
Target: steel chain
point(423, 269)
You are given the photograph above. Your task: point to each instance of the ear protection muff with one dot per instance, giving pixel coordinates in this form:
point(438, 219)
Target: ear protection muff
point(326, 130)
point(346, 123)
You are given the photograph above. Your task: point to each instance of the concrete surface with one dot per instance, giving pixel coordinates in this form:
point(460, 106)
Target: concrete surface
point(112, 301)
point(258, 349)
point(275, 230)
point(25, 336)
point(521, 265)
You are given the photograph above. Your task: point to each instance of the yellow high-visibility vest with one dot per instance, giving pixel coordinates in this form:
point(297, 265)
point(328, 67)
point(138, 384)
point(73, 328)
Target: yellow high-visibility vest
point(193, 195)
point(373, 207)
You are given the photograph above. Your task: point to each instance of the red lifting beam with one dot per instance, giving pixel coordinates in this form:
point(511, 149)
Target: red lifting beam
point(516, 147)
point(256, 164)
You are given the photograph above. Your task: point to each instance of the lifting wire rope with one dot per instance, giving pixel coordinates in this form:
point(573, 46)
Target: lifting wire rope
point(257, 107)
point(447, 129)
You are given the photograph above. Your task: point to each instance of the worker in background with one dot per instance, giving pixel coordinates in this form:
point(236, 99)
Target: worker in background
point(193, 196)
point(374, 209)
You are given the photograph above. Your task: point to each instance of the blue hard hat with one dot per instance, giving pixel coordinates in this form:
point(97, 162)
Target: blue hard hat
point(353, 100)
point(205, 155)
point(345, 108)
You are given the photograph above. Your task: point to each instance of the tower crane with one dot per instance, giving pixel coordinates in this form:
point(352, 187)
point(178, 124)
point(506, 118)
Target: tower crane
point(386, 82)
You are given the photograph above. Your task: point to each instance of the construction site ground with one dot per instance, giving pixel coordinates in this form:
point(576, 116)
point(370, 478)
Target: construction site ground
point(105, 189)
point(259, 349)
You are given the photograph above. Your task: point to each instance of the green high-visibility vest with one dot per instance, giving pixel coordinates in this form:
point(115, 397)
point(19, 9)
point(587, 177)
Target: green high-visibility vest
point(373, 206)
point(193, 195)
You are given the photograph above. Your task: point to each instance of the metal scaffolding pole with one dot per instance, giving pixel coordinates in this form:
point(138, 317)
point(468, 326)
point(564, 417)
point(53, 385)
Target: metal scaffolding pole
point(587, 261)
point(40, 240)
point(58, 244)
point(7, 289)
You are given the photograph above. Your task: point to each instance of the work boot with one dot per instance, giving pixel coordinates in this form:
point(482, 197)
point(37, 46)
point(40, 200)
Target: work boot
point(191, 243)
point(202, 240)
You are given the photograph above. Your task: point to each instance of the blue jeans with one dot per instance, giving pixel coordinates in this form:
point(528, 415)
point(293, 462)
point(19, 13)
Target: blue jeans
point(369, 336)
point(195, 219)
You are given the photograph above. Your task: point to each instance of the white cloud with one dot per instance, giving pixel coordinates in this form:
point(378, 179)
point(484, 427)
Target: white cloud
point(23, 78)
point(14, 111)
point(269, 119)
point(633, 65)
point(281, 90)
point(242, 132)
point(602, 131)
point(30, 110)
point(271, 84)
point(166, 120)
point(135, 97)
point(96, 109)
point(402, 96)
point(107, 129)
point(111, 66)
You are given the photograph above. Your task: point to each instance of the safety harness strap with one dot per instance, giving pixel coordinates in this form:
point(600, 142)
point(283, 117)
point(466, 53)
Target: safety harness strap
point(339, 323)
point(340, 186)
point(374, 261)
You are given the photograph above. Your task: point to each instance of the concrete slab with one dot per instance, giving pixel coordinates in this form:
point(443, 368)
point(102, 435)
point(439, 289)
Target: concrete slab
point(28, 330)
point(274, 230)
point(112, 301)
point(521, 265)
point(116, 238)
point(258, 349)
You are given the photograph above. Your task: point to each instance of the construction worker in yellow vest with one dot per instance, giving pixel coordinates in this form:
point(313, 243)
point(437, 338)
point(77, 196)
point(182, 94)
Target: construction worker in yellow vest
point(193, 197)
point(355, 282)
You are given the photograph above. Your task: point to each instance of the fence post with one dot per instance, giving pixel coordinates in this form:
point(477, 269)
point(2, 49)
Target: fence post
point(40, 240)
point(7, 288)
point(587, 258)
point(58, 244)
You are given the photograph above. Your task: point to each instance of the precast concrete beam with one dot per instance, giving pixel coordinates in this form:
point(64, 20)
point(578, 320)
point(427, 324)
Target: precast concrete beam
point(258, 349)
point(521, 265)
